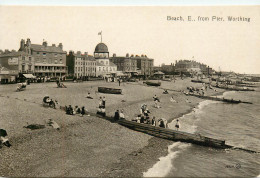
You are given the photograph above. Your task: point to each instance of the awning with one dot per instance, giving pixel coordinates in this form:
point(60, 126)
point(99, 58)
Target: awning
point(4, 76)
point(29, 76)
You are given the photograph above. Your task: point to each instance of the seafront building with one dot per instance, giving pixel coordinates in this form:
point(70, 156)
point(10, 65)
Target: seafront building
point(126, 64)
point(81, 65)
point(16, 64)
point(49, 61)
point(145, 65)
point(104, 66)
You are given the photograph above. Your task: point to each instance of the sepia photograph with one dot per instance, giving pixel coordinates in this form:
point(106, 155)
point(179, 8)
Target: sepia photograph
point(113, 89)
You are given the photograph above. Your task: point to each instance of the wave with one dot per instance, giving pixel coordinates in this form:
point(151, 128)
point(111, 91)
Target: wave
point(164, 165)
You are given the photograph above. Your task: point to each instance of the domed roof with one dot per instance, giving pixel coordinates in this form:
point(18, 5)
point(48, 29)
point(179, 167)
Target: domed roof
point(101, 48)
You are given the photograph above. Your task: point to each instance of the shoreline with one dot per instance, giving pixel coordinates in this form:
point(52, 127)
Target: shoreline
point(148, 155)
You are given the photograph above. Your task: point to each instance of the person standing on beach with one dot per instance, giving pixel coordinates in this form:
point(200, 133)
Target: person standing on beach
point(104, 101)
point(119, 82)
point(177, 125)
point(100, 102)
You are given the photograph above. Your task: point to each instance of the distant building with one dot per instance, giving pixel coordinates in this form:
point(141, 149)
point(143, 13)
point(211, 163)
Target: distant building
point(125, 64)
point(187, 66)
point(81, 65)
point(49, 60)
point(168, 69)
point(104, 66)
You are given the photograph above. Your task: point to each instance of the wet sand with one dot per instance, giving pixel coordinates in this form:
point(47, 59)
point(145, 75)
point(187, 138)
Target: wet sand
point(85, 146)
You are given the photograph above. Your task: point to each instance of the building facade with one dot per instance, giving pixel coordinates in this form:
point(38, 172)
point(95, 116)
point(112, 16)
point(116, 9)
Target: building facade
point(144, 65)
point(81, 65)
point(125, 64)
point(17, 63)
point(49, 61)
point(104, 66)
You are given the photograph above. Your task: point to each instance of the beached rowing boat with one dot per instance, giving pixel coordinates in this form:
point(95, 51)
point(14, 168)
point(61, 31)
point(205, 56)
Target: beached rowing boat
point(109, 90)
point(174, 135)
point(214, 98)
point(197, 81)
point(153, 83)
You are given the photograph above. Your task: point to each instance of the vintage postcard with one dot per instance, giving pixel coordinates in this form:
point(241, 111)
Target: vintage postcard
point(129, 90)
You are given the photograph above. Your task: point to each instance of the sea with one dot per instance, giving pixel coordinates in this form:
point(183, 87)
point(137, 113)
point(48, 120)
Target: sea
point(237, 124)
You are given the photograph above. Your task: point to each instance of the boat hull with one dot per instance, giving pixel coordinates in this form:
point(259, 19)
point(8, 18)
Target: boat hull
point(109, 90)
point(153, 83)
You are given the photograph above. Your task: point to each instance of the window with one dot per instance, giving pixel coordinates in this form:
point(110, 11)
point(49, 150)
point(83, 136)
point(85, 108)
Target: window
point(107, 62)
point(44, 54)
point(99, 68)
point(30, 59)
point(55, 55)
point(56, 61)
point(23, 68)
point(103, 68)
point(23, 58)
point(60, 60)
point(29, 67)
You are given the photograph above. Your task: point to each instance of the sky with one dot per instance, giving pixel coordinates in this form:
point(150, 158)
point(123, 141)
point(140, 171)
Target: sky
point(224, 45)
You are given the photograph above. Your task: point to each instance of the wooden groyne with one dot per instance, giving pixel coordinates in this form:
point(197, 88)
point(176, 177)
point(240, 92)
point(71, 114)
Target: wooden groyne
point(179, 136)
point(173, 134)
point(220, 99)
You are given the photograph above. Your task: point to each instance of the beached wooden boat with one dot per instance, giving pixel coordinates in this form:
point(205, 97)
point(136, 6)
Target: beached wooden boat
point(153, 83)
point(109, 90)
point(197, 81)
point(214, 98)
point(174, 135)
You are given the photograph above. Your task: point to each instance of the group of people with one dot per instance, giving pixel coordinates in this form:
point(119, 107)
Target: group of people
point(49, 102)
point(119, 114)
point(76, 110)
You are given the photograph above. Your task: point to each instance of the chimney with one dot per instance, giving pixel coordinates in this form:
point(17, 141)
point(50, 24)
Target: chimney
point(6, 51)
point(114, 55)
point(22, 43)
point(60, 45)
point(142, 55)
point(79, 52)
point(86, 54)
point(45, 43)
point(127, 54)
point(71, 52)
point(28, 42)
point(53, 45)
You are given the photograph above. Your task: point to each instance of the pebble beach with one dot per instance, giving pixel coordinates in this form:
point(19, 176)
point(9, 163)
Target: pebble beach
point(86, 146)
